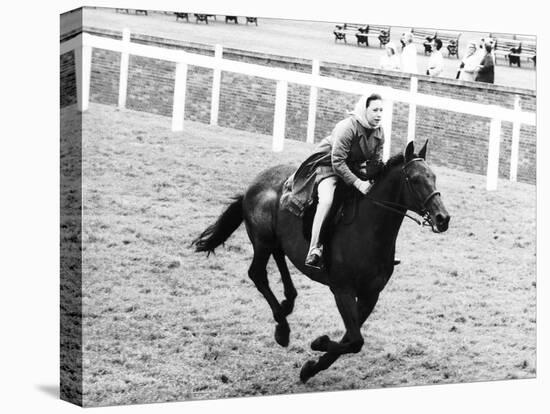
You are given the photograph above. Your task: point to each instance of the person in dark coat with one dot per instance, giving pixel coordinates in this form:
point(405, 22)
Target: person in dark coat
point(486, 69)
point(356, 141)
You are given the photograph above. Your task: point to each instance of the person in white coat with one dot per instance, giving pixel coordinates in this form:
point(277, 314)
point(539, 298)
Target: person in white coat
point(390, 61)
point(435, 64)
point(469, 64)
point(408, 56)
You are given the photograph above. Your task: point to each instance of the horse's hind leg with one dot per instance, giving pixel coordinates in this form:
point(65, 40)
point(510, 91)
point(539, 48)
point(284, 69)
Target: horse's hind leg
point(258, 273)
point(290, 291)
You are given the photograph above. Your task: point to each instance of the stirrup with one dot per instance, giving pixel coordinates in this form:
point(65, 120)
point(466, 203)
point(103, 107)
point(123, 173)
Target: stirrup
point(315, 258)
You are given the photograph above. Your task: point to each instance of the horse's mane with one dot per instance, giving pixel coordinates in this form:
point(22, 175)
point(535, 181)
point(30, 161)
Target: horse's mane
point(380, 173)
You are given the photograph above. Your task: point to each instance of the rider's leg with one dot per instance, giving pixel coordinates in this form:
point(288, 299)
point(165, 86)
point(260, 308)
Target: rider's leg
point(325, 192)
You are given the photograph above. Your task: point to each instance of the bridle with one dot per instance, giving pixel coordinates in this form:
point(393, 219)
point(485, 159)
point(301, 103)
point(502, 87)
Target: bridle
point(422, 210)
point(419, 205)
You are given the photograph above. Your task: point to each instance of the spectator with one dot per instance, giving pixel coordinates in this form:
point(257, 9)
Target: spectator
point(402, 40)
point(428, 45)
point(408, 56)
point(513, 56)
point(435, 64)
point(486, 70)
point(469, 63)
point(481, 51)
point(390, 61)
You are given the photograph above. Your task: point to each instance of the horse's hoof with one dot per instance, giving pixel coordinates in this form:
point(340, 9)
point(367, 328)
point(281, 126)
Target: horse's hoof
point(320, 344)
point(307, 371)
point(282, 333)
point(287, 306)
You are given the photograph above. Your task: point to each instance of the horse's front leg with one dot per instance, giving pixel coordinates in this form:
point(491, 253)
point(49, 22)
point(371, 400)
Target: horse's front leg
point(365, 305)
point(347, 306)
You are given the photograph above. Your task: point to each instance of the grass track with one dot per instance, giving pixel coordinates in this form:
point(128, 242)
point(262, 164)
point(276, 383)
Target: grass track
point(162, 323)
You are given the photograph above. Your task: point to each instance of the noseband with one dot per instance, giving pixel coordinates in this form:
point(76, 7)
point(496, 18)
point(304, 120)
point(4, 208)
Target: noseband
point(419, 206)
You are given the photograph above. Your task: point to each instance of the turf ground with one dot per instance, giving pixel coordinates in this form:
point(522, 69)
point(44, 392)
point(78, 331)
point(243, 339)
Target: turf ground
point(162, 323)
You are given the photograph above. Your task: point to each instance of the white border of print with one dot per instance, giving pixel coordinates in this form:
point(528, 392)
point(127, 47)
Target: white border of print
point(30, 207)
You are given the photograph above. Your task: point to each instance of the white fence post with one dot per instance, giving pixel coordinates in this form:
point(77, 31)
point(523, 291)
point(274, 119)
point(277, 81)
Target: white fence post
point(494, 154)
point(216, 86)
point(411, 130)
point(124, 59)
point(514, 156)
point(178, 110)
point(83, 72)
point(280, 116)
point(315, 68)
point(387, 124)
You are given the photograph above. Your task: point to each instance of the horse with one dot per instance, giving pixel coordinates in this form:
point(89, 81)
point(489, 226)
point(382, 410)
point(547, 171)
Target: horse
point(359, 256)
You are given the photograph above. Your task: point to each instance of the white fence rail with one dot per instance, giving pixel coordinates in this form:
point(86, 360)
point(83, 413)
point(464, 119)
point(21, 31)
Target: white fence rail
point(83, 44)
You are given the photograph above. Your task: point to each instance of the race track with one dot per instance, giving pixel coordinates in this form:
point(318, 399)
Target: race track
point(162, 323)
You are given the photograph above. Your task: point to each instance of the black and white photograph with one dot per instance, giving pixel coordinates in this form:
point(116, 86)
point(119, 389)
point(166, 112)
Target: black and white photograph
point(262, 204)
point(274, 206)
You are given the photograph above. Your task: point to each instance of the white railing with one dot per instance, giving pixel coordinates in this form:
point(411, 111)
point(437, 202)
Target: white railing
point(83, 44)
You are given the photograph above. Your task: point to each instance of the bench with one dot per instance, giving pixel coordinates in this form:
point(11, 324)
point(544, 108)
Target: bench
point(528, 48)
point(526, 38)
point(252, 20)
point(425, 36)
point(507, 36)
point(123, 10)
point(203, 17)
point(506, 47)
point(514, 47)
point(182, 16)
point(450, 41)
point(382, 33)
point(529, 51)
point(140, 11)
point(233, 19)
point(342, 30)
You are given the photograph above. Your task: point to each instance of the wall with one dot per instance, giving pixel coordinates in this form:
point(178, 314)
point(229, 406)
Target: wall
point(67, 92)
point(456, 140)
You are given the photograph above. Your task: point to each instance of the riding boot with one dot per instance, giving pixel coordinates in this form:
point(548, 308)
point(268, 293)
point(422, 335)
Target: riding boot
point(314, 258)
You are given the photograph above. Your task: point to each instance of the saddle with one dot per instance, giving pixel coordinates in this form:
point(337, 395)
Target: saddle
point(343, 210)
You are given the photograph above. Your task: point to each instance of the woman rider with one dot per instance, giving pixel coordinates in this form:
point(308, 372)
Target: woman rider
point(354, 141)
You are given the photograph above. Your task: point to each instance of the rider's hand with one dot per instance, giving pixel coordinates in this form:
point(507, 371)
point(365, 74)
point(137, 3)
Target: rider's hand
point(362, 186)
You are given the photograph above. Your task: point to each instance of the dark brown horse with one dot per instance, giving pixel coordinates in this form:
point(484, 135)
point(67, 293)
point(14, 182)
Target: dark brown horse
point(359, 255)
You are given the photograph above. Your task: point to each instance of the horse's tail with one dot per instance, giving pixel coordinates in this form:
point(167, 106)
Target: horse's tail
point(217, 233)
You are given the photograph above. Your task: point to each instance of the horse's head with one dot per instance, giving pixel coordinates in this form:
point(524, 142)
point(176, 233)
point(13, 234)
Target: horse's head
point(420, 194)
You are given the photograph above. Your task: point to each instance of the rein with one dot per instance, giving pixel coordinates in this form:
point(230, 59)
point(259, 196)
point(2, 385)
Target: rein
point(387, 205)
point(422, 211)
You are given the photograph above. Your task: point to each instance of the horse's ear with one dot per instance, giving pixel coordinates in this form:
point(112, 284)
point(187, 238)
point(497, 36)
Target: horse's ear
point(422, 153)
point(409, 151)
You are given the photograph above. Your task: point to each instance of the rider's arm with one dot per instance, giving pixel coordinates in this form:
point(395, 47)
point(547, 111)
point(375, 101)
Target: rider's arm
point(342, 136)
